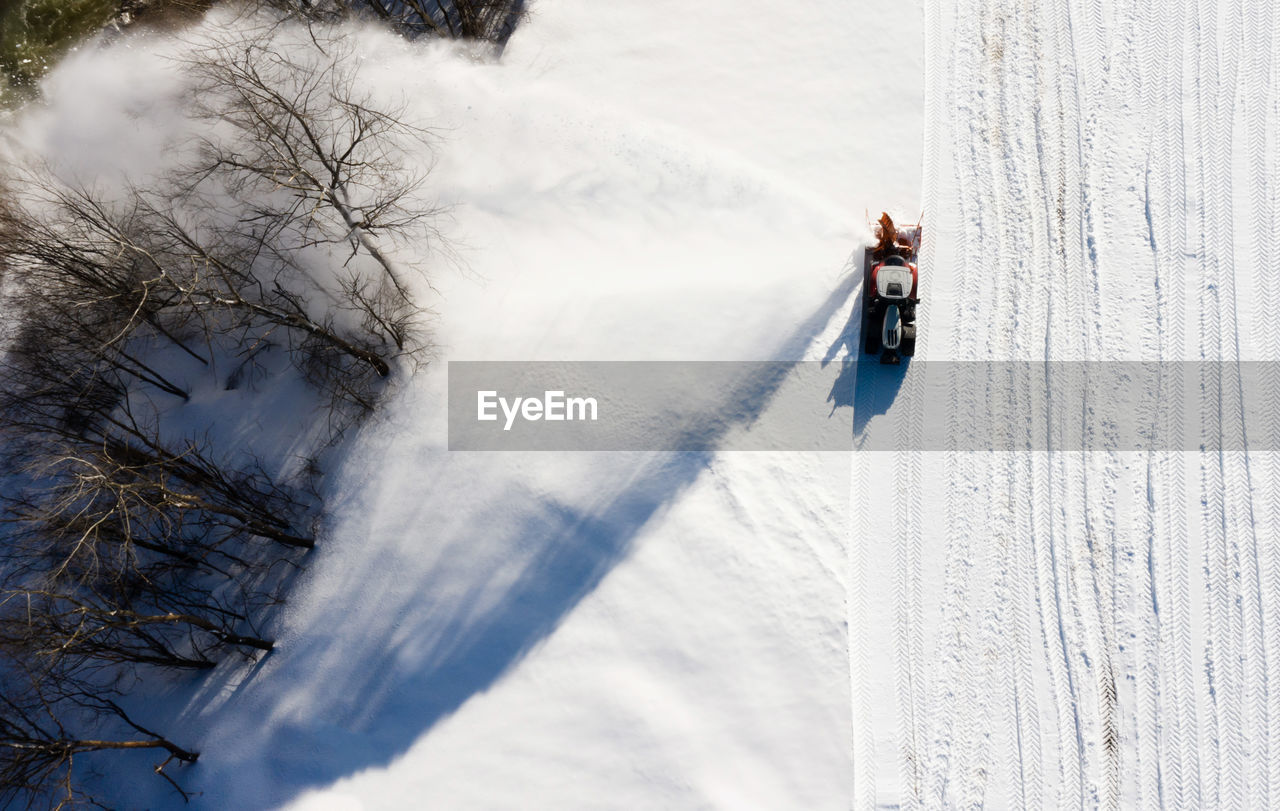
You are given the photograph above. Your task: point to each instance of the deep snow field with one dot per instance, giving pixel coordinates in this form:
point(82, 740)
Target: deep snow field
point(672, 181)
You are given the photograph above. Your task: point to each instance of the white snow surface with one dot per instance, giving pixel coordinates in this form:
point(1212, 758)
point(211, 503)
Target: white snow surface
point(678, 181)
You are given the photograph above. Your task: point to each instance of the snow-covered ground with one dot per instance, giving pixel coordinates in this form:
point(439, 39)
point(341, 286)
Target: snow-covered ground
point(677, 181)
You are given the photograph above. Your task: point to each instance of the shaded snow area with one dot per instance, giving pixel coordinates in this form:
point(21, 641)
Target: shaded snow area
point(674, 181)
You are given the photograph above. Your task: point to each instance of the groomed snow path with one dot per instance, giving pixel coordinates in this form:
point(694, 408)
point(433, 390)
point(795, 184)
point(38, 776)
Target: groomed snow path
point(1096, 630)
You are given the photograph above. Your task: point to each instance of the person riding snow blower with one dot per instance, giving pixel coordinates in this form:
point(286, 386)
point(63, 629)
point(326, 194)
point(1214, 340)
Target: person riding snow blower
point(890, 291)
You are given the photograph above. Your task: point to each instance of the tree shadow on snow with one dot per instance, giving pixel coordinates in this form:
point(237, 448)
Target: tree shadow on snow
point(493, 580)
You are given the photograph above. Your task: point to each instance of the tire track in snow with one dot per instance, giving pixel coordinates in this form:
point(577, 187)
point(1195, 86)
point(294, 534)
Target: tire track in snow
point(1149, 762)
point(980, 560)
point(907, 616)
point(1157, 706)
point(1106, 91)
point(1152, 758)
point(1259, 42)
point(1095, 549)
point(1026, 248)
point(908, 658)
point(952, 685)
point(1040, 547)
point(1245, 613)
point(864, 757)
point(1016, 583)
point(1263, 145)
point(1066, 313)
point(1092, 596)
point(1092, 35)
point(912, 687)
point(1157, 699)
point(1247, 616)
point(989, 548)
point(1210, 479)
point(1221, 475)
point(1237, 611)
point(1135, 88)
point(1106, 95)
point(1179, 715)
point(1082, 518)
point(1053, 600)
point(1082, 595)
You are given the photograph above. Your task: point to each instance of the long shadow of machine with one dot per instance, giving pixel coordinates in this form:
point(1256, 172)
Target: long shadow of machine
point(864, 384)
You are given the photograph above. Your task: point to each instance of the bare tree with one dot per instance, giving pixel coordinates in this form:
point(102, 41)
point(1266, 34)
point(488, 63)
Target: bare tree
point(491, 21)
point(48, 721)
point(311, 148)
point(128, 541)
point(127, 554)
point(87, 629)
point(114, 270)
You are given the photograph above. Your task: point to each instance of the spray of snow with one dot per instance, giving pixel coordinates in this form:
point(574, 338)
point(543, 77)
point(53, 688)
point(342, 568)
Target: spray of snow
point(482, 630)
